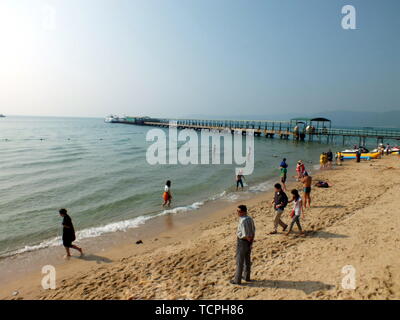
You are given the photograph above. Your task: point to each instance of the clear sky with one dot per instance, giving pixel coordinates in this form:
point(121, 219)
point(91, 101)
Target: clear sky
point(179, 57)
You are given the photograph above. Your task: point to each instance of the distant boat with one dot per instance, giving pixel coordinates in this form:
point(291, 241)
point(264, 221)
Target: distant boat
point(112, 118)
point(2, 116)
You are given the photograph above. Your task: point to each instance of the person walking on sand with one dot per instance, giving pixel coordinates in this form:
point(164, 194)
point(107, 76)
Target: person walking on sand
point(307, 181)
point(167, 194)
point(68, 235)
point(296, 212)
point(239, 180)
point(245, 237)
point(283, 174)
point(280, 201)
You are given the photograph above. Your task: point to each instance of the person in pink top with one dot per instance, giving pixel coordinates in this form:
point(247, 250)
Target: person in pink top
point(300, 169)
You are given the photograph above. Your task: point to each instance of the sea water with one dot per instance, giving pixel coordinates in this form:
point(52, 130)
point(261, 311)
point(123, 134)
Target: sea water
point(99, 172)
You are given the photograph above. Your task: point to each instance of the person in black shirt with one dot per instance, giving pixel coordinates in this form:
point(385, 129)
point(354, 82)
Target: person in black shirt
point(280, 202)
point(330, 158)
point(68, 233)
point(358, 155)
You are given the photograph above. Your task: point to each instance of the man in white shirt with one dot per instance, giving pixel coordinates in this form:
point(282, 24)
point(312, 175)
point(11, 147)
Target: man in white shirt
point(245, 237)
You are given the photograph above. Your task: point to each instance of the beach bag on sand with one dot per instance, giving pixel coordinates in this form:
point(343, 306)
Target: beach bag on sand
point(322, 184)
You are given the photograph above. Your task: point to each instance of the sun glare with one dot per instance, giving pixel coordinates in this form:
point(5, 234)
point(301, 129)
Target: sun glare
point(18, 36)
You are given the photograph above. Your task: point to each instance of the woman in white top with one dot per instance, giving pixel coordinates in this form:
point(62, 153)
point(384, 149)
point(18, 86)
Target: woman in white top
point(296, 212)
point(167, 194)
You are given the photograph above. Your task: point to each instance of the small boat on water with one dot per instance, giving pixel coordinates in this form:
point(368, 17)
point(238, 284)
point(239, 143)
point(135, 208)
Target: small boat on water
point(392, 150)
point(362, 149)
point(113, 119)
point(2, 116)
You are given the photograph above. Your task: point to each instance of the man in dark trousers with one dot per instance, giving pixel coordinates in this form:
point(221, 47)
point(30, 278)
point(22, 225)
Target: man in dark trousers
point(68, 233)
point(358, 155)
point(245, 237)
point(280, 202)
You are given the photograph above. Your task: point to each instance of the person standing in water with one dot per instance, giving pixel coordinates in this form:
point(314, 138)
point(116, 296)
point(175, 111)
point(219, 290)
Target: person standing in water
point(239, 180)
point(307, 181)
point(167, 194)
point(297, 211)
point(329, 157)
point(283, 167)
point(68, 233)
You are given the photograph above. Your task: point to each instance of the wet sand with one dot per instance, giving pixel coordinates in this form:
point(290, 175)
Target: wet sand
point(355, 222)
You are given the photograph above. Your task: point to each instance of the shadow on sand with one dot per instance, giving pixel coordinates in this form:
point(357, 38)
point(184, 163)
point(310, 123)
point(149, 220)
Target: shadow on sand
point(93, 257)
point(306, 286)
point(325, 235)
point(334, 206)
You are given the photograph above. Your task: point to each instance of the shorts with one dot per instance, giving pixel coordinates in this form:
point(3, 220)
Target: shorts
point(307, 190)
point(166, 196)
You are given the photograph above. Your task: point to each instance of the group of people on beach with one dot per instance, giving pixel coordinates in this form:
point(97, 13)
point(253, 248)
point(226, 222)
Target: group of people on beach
point(281, 200)
point(246, 227)
point(326, 160)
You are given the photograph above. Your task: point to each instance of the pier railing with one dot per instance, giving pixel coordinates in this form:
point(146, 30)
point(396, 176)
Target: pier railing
point(269, 128)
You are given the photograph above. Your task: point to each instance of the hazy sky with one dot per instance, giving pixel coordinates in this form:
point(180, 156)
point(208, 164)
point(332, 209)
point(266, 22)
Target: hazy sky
point(179, 57)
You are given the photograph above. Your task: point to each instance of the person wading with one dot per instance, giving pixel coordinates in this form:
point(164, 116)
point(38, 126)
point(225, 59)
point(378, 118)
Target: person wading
point(239, 180)
point(283, 168)
point(245, 237)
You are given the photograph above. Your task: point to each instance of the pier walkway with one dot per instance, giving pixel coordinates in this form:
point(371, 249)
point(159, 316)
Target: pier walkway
point(297, 129)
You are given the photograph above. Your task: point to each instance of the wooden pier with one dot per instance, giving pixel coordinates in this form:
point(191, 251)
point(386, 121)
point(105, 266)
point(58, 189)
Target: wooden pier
point(297, 129)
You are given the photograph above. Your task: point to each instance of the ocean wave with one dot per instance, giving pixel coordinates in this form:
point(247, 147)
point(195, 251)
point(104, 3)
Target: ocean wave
point(85, 234)
point(124, 225)
point(121, 226)
point(262, 187)
point(194, 206)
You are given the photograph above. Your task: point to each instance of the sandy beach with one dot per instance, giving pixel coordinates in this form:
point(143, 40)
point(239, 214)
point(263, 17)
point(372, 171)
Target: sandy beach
point(354, 222)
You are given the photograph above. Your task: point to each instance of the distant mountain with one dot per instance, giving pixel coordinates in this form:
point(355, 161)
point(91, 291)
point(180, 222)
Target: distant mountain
point(340, 118)
point(389, 119)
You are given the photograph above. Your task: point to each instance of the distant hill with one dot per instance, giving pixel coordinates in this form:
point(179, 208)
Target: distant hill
point(389, 119)
point(341, 118)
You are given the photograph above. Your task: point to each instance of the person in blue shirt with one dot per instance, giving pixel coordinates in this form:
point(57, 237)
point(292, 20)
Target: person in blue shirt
point(284, 164)
point(283, 174)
